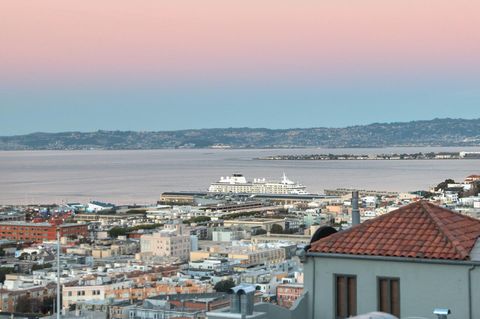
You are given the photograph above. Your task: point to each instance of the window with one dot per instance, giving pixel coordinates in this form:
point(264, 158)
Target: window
point(389, 295)
point(345, 296)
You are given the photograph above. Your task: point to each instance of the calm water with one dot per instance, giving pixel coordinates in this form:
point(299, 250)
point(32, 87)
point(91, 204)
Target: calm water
point(140, 176)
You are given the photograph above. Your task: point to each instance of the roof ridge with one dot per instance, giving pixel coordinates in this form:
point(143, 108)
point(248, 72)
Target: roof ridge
point(443, 228)
point(362, 224)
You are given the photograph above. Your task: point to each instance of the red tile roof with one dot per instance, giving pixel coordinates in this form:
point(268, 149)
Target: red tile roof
point(418, 230)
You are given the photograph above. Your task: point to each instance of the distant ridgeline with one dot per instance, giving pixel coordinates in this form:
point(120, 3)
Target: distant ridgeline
point(437, 132)
point(339, 157)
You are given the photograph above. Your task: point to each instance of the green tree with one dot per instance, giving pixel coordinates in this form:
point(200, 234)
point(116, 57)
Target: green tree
point(260, 231)
point(24, 305)
point(276, 229)
point(3, 272)
point(198, 219)
point(47, 305)
point(224, 285)
point(39, 266)
point(117, 231)
point(444, 184)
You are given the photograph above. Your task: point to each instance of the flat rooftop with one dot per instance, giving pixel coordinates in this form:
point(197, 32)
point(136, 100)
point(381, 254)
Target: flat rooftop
point(27, 224)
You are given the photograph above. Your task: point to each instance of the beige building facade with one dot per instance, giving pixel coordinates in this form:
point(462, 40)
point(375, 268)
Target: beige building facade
point(166, 243)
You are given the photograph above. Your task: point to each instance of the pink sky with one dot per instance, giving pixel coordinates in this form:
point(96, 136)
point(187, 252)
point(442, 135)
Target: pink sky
point(84, 39)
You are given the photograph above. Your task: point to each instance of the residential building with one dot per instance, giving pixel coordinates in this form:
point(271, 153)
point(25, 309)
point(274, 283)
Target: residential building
point(185, 306)
point(407, 263)
point(250, 256)
point(166, 243)
point(12, 216)
point(227, 234)
point(93, 288)
point(96, 206)
point(209, 266)
point(287, 294)
point(39, 232)
point(472, 179)
point(35, 293)
point(264, 223)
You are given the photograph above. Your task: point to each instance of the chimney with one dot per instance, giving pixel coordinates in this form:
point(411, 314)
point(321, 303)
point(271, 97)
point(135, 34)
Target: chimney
point(355, 210)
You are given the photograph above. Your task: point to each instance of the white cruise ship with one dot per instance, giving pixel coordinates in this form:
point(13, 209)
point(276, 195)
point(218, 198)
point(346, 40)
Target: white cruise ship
point(237, 183)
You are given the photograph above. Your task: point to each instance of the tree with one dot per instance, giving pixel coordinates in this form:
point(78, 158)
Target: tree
point(117, 231)
point(38, 266)
point(24, 305)
point(47, 305)
point(444, 184)
point(224, 285)
point(276, 229)
point(3, 272)
point(260, 231)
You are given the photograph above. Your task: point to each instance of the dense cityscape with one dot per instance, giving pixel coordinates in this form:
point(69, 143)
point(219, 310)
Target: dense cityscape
point(165, 159)
point(193, 253)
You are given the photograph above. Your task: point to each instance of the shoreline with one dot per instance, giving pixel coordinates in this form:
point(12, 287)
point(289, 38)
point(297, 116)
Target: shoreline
point(375, 157)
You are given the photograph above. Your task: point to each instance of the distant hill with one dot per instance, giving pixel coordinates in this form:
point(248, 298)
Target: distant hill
point(437, 132)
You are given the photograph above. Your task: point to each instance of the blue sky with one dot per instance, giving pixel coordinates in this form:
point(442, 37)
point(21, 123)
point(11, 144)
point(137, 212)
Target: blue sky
point(270, 105)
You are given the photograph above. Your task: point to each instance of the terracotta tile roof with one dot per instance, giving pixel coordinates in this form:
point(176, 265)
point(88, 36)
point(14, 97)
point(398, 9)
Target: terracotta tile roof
point(418, 230)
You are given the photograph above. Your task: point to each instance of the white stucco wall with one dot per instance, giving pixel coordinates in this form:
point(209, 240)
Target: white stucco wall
point(423, 286)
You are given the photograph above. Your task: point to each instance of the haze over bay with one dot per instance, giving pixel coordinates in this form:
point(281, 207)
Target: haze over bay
point(126, 177)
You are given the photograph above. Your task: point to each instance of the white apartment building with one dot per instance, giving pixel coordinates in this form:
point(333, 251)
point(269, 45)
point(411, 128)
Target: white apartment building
point(98, 289)
point(227, 234)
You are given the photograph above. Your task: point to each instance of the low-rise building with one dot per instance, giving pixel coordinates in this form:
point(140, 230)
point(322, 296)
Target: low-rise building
point(12, 216)
point(209, 266)
point(34, 294)
point(96, 206)
point(166, 243)
point(185, 306)
point(406, 263)
point(287, 294)
point(227, 234)
point(40, 232)
point(265, 223)
point(93, 288)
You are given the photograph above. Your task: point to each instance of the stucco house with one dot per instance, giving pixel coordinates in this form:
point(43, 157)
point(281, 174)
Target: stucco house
point(407, 263)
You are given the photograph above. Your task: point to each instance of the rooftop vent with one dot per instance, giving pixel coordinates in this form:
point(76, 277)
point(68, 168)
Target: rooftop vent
point(355, 210)
point(241, 299)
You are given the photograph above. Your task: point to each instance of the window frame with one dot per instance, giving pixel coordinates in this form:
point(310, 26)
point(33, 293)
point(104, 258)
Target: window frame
point(347, 295)
point(389, 294)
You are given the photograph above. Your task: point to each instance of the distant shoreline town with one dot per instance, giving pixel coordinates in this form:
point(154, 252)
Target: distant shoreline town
point(394, 156)
point(436, 132)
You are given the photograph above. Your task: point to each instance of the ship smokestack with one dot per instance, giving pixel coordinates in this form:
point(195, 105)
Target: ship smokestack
point(355, 210)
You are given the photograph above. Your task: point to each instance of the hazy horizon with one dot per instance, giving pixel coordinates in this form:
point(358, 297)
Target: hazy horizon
point(238, 127)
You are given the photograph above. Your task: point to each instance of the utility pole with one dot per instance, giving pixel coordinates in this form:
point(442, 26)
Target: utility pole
point(58, 273)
